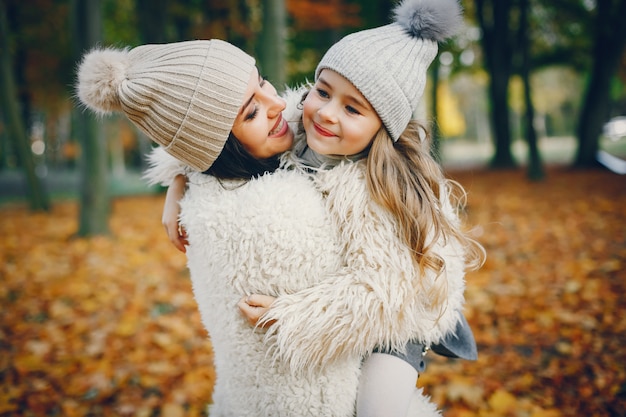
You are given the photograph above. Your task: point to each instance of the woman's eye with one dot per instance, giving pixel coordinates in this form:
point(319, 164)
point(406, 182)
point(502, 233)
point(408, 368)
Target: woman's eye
point(252, 114)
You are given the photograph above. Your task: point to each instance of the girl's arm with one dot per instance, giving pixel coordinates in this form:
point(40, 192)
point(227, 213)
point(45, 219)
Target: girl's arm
point(167, 171)
point(171, 211)
point(376, 299)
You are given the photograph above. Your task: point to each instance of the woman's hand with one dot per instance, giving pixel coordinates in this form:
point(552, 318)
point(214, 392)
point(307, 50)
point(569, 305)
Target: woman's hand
point(254, 306)
point(171, 209)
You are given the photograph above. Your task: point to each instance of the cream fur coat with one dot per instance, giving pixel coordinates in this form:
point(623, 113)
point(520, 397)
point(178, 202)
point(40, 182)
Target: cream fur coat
point(344, 283)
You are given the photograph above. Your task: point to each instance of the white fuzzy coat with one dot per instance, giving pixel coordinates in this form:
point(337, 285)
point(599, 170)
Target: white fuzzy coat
point(344, 281)
point(374, 298)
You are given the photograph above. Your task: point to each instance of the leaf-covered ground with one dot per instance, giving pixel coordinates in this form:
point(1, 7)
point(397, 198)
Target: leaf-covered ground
point(108, 326)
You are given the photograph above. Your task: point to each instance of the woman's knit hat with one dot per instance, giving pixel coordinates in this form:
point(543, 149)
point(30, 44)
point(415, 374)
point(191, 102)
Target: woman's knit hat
point(389, 64)
point(184, 96)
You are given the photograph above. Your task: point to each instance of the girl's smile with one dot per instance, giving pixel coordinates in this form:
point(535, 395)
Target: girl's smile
point(322, 131)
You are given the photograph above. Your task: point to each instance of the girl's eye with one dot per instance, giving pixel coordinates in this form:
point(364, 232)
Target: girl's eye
point(322, 93)
point(352, 110)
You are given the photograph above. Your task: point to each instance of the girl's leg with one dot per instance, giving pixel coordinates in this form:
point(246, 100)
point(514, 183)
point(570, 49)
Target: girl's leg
point(386, 386)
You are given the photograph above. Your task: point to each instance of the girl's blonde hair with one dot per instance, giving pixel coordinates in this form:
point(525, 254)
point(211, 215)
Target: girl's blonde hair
point(404, 178)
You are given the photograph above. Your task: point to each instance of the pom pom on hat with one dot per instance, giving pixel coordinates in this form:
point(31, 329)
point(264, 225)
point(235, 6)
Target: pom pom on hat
point(436, 20)
point(184, 96)
point(100, 75)
point(389, 64)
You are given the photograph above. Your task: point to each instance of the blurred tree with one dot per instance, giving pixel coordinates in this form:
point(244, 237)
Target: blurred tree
point(37, 195)
point(152, 20)
point(609, 43)
point(316, 24)
point(495, 21)
point(435, 131)
point(95, 204)
point(272, 45)
point(534, 170)
point(375, 12)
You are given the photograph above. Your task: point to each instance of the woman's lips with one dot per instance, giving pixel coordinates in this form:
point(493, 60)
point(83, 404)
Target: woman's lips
point(279, 129)
point(324, 132)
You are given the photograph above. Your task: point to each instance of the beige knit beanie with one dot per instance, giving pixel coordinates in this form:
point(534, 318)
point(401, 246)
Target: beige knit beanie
point(389, 64)
point(184, 96)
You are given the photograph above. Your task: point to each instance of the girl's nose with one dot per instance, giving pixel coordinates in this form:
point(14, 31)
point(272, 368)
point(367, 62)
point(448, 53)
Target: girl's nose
point(327, 112)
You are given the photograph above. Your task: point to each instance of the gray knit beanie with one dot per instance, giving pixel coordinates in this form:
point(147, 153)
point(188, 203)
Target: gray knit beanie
point(184, 96)
point(389, 64)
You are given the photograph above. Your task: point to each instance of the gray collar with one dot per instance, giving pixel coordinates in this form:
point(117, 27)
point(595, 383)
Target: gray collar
point(312, 159)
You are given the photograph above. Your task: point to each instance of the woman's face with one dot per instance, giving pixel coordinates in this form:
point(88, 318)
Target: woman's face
point(337, 119)
point(259, 125)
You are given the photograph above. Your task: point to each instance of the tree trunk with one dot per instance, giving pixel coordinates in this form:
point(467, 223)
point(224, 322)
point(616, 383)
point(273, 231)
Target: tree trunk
point(435, 148)
point(37, 196)
point(608, 48)
point(534, 170)
point(151, 16)
point(94, 194)
point(272, 46)
point(493, 17)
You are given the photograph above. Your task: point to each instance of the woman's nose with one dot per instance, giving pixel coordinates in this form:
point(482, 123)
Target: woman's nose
point(273, 102)
point(275, 105)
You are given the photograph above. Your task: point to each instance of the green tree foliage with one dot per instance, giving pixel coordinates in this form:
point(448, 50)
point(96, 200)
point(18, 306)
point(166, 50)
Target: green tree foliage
point(559, 32)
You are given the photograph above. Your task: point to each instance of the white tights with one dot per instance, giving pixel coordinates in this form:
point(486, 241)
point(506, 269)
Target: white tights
point(386, 387)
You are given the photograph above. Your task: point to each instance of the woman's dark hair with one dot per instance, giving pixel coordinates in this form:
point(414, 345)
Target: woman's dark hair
point(235, 162)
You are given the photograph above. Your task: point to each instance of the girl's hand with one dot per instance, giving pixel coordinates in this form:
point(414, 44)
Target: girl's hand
point(171, 210)
point(254, 306)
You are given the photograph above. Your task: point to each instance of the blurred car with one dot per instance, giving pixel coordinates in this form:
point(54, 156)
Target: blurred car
point(615, 129)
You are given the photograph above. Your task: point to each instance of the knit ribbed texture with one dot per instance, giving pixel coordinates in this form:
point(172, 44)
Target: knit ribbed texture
point(185, 96)
point(388, 66)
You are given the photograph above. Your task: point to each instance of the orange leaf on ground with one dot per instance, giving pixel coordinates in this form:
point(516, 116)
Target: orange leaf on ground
point(110, 323)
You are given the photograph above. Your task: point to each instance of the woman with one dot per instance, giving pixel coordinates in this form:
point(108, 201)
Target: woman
point(248, 233)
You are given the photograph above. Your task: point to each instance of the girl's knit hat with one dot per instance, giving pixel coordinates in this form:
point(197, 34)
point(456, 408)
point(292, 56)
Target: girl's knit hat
point(184, 96)
point(389, 64)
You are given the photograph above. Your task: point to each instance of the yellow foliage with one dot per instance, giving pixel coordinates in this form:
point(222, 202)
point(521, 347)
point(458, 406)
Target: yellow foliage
point(450, 120)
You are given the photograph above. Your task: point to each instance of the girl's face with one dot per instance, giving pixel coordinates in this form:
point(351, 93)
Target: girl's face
point(259, 125)
point(337, 119)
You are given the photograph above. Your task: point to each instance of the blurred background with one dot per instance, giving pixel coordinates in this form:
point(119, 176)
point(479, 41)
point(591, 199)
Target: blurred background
point(527, 82)
point(528, 110)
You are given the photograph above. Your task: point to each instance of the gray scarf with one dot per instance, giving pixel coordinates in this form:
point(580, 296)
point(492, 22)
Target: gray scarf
point(314, 160)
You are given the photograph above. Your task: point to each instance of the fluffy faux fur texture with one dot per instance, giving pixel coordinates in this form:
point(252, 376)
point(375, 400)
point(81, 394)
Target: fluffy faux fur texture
point(270, 236)
point(375, 298)
point(339, 293)
point(436, 20)
point(100, 74)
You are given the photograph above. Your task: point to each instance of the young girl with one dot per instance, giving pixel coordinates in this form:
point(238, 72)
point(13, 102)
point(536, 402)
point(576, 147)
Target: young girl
point(404, 250)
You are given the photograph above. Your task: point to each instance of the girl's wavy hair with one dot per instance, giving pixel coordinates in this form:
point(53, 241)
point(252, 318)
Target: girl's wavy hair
point(404, 178)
